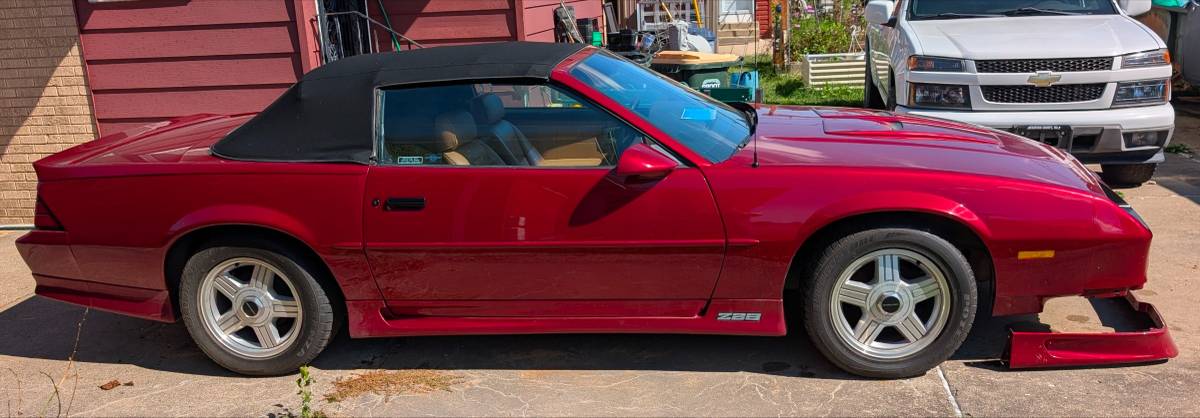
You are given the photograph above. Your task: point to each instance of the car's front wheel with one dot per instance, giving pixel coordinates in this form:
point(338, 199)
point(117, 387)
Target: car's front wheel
point(890, 303)
point(254, 311)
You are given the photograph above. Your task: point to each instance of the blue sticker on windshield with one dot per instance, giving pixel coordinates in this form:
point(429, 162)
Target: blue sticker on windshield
point(698, 113)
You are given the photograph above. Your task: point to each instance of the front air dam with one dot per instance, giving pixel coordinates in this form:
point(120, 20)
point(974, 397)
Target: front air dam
point(1028, 350)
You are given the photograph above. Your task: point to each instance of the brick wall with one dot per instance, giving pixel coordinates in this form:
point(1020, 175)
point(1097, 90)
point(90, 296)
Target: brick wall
point(44, 105)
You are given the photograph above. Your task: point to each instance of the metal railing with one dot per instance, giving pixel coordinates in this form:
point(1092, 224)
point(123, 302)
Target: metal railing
point(334, 42)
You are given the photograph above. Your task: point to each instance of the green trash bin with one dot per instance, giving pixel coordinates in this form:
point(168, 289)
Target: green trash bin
point(698, 70)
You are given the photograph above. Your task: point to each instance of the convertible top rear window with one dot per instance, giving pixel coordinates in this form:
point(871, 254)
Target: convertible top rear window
point(329, 114)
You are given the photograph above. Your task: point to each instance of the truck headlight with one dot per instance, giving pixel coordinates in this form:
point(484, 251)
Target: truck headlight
point(1146, 59)
point(940, 95)
point(1141, 93)
point(941, 65)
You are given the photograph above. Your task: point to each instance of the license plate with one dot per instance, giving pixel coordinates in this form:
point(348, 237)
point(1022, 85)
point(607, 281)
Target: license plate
point(1056, 135)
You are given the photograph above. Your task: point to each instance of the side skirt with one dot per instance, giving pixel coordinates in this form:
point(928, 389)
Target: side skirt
point(760, 317)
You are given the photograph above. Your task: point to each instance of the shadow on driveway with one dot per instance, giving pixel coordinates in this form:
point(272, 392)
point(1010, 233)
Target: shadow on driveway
point(39, 328)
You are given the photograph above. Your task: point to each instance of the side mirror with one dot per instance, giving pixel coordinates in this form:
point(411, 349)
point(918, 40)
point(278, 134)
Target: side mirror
point(879, 12)
point(1135, 7)
point(642, 162)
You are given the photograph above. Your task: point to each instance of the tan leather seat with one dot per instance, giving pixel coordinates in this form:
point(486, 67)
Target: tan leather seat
point(505, 138)
point(456, 135)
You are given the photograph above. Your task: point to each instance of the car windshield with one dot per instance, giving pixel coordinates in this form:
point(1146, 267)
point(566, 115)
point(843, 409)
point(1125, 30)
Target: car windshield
point(959, 9)
point(710, 128)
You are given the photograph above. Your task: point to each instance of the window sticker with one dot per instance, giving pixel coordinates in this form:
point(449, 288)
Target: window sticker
point(409, 160)
point(698, 113)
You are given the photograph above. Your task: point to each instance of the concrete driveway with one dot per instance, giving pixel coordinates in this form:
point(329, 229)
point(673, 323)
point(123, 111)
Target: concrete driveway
point(615, 375)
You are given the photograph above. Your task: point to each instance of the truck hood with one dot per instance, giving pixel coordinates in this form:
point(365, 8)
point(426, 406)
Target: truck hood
point(1012, 37)
point(876, 139)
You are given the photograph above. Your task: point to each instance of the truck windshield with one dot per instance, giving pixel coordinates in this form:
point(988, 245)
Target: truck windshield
point(965, 9)
point(706, 126)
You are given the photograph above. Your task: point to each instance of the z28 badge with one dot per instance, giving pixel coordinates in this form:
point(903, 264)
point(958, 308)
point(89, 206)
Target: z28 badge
point(739, 316)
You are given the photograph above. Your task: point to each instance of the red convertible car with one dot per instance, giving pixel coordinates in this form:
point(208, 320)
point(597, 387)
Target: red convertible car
point(551, 188)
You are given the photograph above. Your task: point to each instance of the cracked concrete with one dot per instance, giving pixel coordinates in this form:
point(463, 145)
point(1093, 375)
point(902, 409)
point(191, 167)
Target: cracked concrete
point(611, 375)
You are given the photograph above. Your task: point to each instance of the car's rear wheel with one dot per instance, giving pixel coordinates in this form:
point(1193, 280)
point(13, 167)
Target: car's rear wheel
point(1127, 174)
point(890, 303)
point(254, 311)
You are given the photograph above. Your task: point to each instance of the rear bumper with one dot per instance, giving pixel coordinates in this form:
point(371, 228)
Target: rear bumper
point(1054, 349)
point(1097, 135)
point(58, 277)
point(151, 304)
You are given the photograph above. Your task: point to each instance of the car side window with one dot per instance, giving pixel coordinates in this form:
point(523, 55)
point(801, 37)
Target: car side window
point(490, 125)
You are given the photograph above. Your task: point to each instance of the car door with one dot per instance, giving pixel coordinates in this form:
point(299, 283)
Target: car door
point(449, 221)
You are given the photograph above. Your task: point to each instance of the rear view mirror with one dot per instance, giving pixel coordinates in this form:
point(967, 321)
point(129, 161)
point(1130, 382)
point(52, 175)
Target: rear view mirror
point(879, 12)
point(1135, 7)
point(643, 162)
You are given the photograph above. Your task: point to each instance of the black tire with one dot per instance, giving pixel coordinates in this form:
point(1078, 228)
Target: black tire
point(1127, 174)
point(872, 96)
point(318, 324)
point(841, 254)
point(890, 102)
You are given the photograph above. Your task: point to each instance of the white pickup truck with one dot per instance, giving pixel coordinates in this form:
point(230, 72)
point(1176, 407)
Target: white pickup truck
point(1081, 75)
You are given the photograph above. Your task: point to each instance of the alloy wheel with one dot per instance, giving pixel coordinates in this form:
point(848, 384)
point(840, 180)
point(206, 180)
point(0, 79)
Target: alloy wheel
point(890, 304)
point(250, 307)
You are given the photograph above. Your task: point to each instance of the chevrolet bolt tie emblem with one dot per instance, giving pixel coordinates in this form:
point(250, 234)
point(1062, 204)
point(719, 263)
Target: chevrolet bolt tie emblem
point(1044, 79)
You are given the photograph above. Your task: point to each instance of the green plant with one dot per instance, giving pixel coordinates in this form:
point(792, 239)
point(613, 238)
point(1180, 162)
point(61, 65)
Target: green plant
point(1178, 148)
point(812, 35)
point(304, 384)
point(826, 31)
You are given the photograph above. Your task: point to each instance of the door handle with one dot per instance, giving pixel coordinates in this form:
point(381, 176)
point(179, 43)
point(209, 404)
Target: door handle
point(396, 204)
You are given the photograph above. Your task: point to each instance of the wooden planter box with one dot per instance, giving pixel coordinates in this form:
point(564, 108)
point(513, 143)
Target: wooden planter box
point(829, 69)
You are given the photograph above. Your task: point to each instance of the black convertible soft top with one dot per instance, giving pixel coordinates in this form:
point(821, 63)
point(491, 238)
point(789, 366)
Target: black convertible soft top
point(328, 114)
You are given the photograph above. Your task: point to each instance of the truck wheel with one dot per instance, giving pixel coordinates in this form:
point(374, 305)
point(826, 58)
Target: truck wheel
point(872, 97)
point(890, 303)
point(1127, 174)
point(890, 103)
point(254, 311)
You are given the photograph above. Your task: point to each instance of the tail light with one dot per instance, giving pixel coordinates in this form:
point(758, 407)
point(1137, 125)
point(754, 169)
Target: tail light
point(43, 218)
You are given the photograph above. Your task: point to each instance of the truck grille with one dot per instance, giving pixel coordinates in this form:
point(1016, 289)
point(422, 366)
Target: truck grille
point(1065, 93)
point(1065, 65)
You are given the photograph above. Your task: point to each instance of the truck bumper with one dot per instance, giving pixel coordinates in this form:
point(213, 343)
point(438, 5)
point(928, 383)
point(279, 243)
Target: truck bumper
point(1067, 349)
point(1098, 136)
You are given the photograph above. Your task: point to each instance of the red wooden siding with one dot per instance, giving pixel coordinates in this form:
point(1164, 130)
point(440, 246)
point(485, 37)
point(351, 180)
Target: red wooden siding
point(152, 60)
point(455, 22)
point(762, 14)
point(539, 16)
point(447, 22)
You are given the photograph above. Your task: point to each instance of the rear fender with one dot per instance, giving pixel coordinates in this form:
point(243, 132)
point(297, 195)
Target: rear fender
point(345, 261)
point(250, 215)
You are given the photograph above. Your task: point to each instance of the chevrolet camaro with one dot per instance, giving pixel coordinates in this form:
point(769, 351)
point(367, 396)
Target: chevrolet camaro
point(552, 188)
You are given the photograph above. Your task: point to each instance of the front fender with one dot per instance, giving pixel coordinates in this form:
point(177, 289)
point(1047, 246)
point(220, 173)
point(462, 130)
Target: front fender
point(894, 201)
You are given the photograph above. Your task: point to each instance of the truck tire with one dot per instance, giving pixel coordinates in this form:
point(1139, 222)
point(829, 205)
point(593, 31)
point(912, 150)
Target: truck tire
point(1127, 174)
point(890, 303)
point(872, 97)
